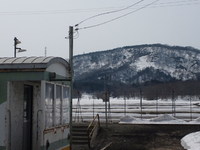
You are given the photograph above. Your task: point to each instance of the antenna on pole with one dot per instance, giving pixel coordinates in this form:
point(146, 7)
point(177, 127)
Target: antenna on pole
point(45, 51)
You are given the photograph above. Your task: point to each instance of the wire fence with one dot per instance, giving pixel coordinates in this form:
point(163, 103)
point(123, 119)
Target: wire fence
point(187, 110)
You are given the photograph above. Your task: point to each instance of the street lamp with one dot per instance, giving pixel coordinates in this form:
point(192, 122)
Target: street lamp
point(16, 42)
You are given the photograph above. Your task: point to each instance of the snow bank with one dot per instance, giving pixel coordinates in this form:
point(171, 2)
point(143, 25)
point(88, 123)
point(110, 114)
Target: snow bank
point(196, 120)
point(129, 119)
point(191, 141)
point(166, 118)
point(162, 119)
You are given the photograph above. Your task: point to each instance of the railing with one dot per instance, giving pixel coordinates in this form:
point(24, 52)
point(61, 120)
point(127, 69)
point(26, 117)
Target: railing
point(92, 129)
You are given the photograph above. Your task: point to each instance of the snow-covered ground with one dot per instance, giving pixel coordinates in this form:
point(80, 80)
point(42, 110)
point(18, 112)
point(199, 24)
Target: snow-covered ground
point(135, 111)
point(191, 141)
point(161, 119)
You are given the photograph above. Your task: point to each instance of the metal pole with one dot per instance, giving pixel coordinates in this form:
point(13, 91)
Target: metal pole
point(105, 98)
point(190, 108)
point(71, 49)
point(156, 106)
point(173, 104)
point(93, 108)
point(124, 106)
point(106, 113)
point(141, 103)
point(71, 73)
point(15, 46)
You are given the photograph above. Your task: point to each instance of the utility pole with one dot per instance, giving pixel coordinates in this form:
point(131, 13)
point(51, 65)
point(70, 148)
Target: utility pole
point(71, 74)
point(71, 49)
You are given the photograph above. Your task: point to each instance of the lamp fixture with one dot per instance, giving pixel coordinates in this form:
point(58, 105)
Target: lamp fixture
point(16, 42)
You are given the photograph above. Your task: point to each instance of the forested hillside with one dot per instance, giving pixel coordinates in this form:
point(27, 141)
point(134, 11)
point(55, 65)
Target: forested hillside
point(156, 70)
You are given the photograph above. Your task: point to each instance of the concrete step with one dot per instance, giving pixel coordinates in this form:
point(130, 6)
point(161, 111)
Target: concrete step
point(80, 142)
point(79, 134)
point(84, 138)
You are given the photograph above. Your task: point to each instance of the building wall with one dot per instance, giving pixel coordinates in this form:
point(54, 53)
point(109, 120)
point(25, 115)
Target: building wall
point(58, 69)
point(16, 102)
point(15, 123)
point(2, 125)
point(37, 115)
point(14, 120)
point(57, 136)
point(3, 91)
point(3, 103)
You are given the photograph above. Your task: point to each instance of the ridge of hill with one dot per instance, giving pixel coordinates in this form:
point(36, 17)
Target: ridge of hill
point(136, 65)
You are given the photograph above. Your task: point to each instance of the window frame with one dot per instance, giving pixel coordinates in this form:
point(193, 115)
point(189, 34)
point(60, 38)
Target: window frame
point(61, 112)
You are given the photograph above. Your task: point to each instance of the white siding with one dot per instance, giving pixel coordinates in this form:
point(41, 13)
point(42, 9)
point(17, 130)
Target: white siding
point(2, 123)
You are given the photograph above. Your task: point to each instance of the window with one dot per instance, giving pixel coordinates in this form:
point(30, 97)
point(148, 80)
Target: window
point(49, 102)
point(58, 105)
point(65, 105)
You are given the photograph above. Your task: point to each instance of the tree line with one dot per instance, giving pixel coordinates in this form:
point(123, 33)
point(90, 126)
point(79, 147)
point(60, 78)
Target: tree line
point(150, 91)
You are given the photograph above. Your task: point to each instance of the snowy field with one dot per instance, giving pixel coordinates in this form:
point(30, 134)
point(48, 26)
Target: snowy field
point(191, 141)
point(186, 110)
point(136, 111)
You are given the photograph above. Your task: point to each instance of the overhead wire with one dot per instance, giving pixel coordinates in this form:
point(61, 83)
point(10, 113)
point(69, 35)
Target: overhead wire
point(176, 3)
point(109, 12)
point(179, 1)
point(163, 4)
point(56, 11)
point(116, 18)
point(76, 36)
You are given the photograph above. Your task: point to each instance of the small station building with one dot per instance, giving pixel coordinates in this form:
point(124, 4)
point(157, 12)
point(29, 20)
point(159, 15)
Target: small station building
point(34, 103)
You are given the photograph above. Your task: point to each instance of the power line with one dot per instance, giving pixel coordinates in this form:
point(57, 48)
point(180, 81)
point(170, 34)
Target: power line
point(114, 11)
point(70, 11)
point(116, 18)
point(175, 5)
point(179, 1)
point(110, 12)
point(57, 11)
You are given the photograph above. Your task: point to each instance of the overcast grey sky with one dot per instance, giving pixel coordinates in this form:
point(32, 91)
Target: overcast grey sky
point(45, 23)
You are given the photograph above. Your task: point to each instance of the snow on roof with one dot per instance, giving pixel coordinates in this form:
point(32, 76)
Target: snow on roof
point(30, 62)
point(17, 60)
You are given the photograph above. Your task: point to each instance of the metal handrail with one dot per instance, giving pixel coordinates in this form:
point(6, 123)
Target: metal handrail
point(90, 133)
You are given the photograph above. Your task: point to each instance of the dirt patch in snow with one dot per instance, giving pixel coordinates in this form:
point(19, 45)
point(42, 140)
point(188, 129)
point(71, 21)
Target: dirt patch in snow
point(143, 137)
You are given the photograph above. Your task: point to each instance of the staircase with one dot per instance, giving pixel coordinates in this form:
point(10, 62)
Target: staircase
point(84, 134)
point(79, 134)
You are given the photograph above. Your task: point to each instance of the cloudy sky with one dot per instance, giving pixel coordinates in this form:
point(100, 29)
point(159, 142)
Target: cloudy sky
point(45, 23)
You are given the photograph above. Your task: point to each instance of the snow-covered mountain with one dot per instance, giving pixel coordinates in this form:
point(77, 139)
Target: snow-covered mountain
point(139, 64)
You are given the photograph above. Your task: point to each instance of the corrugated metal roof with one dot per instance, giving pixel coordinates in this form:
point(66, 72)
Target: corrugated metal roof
point(18, 60)
point(30, 62)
